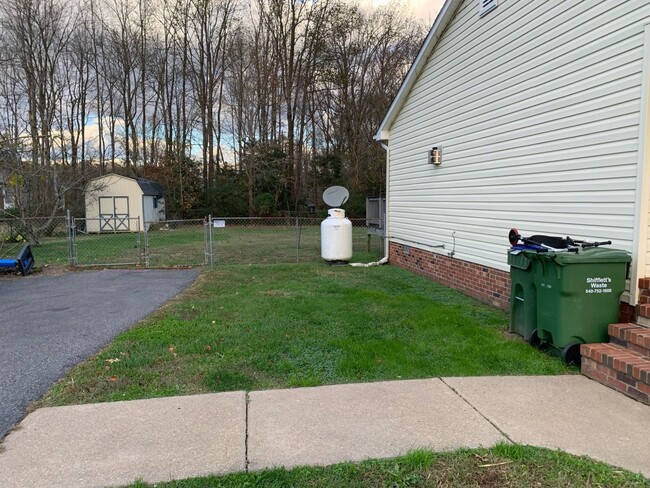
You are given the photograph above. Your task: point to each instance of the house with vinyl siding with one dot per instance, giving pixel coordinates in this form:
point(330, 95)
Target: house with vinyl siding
point(536, 114)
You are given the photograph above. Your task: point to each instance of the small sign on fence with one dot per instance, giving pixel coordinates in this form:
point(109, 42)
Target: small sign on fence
point(218, 223)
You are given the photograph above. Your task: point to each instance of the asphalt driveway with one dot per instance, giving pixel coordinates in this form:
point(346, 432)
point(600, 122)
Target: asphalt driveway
point(48, 324)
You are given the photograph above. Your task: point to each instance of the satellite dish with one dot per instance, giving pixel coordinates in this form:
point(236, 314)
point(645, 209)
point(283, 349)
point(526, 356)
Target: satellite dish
point(336, 196)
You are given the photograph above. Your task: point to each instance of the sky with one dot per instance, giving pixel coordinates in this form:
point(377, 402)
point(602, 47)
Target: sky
point(426, 9)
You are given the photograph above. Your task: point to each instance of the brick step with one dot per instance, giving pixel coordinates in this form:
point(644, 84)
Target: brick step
point(644, 310)
point(631, 336)
point(619, 368)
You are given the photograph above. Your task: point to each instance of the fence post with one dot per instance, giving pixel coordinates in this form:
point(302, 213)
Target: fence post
point(146, 246)
point(211, 236)
point(75, 251)
point(139, 241)
point(206, 241)
point(298, 235)
point(208, 250)
point(68, 220)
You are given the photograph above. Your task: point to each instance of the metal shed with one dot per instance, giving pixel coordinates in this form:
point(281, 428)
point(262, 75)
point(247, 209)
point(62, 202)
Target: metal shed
point(116, 203)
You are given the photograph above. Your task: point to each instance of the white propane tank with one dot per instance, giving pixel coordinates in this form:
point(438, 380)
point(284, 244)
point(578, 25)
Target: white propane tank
point(336, 236)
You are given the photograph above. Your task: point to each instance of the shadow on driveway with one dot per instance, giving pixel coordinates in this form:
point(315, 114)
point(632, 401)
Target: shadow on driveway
point(48, 324)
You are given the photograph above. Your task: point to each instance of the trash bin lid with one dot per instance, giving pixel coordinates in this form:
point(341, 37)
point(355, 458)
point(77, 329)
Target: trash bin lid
point(591, 255)
point(518, 259)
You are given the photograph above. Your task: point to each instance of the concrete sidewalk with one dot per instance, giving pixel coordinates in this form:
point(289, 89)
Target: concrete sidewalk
point(113, 444)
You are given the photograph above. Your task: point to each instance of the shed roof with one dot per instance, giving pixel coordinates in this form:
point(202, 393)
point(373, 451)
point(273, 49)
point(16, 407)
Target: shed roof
point(443, 19)
point(149, 187)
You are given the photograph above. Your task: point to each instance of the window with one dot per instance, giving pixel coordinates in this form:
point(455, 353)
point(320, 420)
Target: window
point(485, 6)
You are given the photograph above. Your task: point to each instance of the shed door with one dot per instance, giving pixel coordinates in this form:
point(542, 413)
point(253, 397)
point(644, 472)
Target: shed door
point(114, 214)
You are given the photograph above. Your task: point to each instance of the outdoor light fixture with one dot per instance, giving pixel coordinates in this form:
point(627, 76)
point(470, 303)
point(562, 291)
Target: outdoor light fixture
point(435, 155)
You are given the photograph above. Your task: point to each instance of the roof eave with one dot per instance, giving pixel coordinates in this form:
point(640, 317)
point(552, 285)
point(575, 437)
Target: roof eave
point(442, 21)
point(110, 174)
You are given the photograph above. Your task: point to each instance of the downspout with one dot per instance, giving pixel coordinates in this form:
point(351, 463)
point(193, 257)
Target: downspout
point(386, 233)
point(383, 260)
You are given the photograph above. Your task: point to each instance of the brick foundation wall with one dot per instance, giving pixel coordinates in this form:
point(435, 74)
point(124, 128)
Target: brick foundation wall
point(626, 313)
point(643, 308)
point(489, 285)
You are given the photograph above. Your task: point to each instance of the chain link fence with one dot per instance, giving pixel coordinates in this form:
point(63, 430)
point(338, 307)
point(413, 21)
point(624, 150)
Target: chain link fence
point(48, 236)
point(255, 240)
point(62, 241)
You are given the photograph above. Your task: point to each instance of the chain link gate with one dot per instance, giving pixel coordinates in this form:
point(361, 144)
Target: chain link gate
point(166, 244)
point(97, 242)
point(178, 243)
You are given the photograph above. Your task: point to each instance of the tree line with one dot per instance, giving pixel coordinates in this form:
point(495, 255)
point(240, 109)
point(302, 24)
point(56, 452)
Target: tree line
point(238, 107)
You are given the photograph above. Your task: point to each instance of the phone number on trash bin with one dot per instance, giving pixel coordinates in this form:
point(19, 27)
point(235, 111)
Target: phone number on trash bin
point(598, 290)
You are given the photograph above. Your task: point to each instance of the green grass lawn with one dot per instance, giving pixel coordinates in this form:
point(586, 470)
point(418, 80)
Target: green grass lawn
point(52, 251)
point(504, 465)
point(273, 326)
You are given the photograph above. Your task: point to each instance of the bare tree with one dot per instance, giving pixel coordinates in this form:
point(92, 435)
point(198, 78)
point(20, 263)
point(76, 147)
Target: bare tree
point(266, 93)
point(76, 80)
point(208, 22)
point(38, 32)
point(295, 27)
point(365, 59)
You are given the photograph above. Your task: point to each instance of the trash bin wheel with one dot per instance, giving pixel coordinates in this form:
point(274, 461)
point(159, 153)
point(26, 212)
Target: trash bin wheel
point(534, 341)
point(571, 354)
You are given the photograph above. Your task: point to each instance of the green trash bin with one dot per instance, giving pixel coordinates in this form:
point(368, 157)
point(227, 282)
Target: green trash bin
point(523, 296)
point(578, 296)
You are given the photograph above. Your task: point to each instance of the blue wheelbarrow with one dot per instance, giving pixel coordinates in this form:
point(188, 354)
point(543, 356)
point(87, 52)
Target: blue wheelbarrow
point(23, 263)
